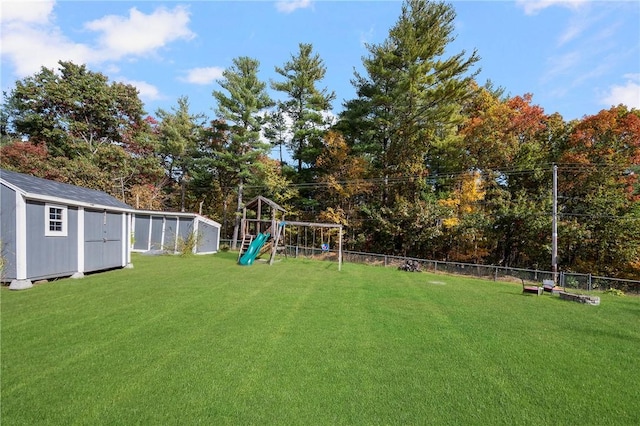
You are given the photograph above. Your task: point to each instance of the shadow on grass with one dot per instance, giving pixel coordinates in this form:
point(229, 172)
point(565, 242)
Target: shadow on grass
point(590, 332)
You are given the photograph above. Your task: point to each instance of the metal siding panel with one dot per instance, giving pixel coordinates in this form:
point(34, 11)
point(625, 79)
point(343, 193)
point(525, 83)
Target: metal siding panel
point(156, 233)
point(49, 257)
point(186, 227)
point(170, 234)
point(113, 229)
point(141, 235)
point(207, 238)
point(8, 232)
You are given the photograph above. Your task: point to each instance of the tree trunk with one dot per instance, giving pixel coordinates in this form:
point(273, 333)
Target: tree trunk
point(183, 190)
point(225, 206)
point(236, 226)
point(299, 161)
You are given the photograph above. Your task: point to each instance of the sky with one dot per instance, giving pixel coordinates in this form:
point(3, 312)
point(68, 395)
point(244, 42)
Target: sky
point(575, 57)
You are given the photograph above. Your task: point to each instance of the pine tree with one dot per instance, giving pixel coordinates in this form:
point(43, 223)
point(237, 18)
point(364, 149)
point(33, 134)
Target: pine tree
point(242, 107)
point(179, 134)
point(305, 103)
point(409, 100)
point(411, 95)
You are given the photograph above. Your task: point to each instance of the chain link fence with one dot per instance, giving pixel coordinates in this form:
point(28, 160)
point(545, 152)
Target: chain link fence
point(594, 282)
point(568, 280)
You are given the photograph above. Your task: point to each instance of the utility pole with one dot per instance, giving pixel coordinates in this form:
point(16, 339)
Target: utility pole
point(554, 227)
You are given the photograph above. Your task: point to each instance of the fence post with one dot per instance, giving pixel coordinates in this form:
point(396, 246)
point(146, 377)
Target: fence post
point(495, 274)
point(385, 260)
point(589, 281)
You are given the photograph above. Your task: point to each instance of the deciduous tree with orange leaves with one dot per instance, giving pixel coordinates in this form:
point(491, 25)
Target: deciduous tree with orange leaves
point(598, 183)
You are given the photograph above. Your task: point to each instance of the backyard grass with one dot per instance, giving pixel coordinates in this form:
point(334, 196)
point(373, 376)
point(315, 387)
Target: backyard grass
point(200, 340)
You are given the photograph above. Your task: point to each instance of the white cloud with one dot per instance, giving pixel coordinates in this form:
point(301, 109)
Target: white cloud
point(148, 92)
point(597, 71)
point(140, 34)
point(366, 36)
point(561, 65)
point(29, 41)
point(111, 69)
point(573, 30)
point(29, 48)
point(203, 76)
point(532, 7)
point(288, 6)
point(606, 33)
point(627, 94)
point(31, 11)
point(30, 38)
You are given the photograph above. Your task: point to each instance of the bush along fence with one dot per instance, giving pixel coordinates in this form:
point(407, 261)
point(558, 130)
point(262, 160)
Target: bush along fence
point(567, 280)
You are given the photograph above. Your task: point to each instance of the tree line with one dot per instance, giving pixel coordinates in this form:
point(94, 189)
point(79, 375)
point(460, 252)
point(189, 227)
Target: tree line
point(423, 162)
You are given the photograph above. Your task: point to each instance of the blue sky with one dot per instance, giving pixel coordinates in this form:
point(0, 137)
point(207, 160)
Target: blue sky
point(576, 57)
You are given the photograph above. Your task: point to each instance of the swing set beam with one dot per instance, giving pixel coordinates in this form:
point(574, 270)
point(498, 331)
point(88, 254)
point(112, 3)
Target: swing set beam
point(322, 225)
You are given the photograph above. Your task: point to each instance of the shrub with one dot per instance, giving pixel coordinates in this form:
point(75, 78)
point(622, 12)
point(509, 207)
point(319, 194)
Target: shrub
point(187, 245)
point(614, 292)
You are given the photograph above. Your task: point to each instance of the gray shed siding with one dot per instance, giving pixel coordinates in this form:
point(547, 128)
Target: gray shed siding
point(8, 232)
point(170, 233)
point(103, 247)
point(49, 257)
point(141, 234)
point(207, 238)
point(186, 228)
point(157, 223)
point(34, 251)
point(167, 231)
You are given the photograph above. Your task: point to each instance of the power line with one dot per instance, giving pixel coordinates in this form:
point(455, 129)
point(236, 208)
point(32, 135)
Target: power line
point(600, 216)
point(443, 176)
point(438, 178)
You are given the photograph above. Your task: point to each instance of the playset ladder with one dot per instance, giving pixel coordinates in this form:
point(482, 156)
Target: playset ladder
point(246, 242)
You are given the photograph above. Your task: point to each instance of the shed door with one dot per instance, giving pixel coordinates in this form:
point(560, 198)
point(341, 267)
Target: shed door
point(103, 240)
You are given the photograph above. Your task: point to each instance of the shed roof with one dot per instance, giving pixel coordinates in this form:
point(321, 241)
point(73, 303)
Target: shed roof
point(204, 219)
point(33, 187)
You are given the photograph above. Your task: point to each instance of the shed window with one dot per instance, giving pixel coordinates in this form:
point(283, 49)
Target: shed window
point(55, 221)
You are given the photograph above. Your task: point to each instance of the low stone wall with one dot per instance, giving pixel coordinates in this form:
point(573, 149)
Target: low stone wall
point(580, 298)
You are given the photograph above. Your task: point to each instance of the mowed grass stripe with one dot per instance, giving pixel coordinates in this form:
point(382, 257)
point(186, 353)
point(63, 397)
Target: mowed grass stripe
point(202, 340)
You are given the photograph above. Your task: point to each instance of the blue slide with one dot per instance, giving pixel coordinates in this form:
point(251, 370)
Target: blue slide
point(254, 249)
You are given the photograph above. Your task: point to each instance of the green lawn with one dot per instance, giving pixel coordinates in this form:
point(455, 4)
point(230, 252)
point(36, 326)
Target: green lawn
point(187, 340)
